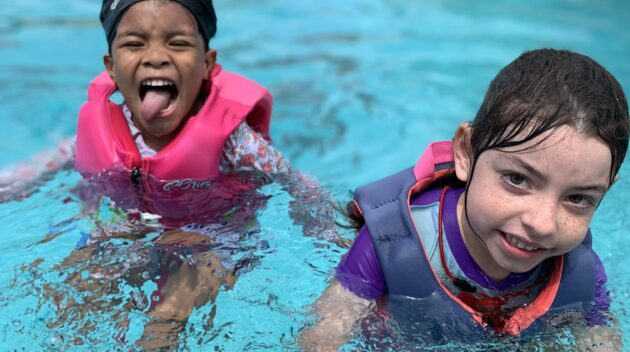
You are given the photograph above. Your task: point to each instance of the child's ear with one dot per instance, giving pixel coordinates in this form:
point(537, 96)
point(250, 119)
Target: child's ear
point(614, 180)
point(209, 60)
point(462, 151)
point(109, 66)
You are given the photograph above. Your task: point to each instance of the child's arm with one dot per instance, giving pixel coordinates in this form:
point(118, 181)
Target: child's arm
point(588, 337)
point(599, 333)
point(350, 297)
point(595, 329)
point(312, 208)
point(336, 311)
point(599, 338)
point(19, 181)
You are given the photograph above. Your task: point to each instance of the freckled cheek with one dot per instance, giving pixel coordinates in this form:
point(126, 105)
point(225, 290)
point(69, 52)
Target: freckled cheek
point(483, 213)
point(572, 230)
point(491, 202)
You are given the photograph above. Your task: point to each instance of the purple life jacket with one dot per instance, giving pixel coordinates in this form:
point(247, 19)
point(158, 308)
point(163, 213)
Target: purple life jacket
point(385, 207)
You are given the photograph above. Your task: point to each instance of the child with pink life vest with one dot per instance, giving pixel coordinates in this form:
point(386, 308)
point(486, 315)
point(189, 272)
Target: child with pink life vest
point(189, 140)
point(189, 145)
point(490, 231)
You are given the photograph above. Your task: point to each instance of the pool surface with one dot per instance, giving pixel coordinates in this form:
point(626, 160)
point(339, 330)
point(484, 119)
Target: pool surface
point(360, 89)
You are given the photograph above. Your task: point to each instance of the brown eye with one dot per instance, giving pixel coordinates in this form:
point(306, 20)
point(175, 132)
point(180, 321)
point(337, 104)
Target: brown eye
point(516, 179)
point(515, 182)
point(575, 199)
point(580, 200)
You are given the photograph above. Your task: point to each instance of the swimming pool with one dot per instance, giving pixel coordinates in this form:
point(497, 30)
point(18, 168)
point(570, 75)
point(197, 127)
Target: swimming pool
point(360, 88)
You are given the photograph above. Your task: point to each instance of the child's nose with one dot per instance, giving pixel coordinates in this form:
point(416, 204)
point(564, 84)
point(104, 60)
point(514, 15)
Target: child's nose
point(540, 219)
point(156, 56)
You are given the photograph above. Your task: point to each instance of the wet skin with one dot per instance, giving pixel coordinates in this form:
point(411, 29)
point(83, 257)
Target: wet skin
point(526, 205)
point(159, 41)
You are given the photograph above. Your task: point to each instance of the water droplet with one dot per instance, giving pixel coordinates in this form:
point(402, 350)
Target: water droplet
point(18, 326)
point(139, 300)
point(264, 244)
point(55, 342)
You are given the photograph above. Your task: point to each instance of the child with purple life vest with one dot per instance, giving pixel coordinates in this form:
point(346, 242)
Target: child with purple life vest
point(493, 225)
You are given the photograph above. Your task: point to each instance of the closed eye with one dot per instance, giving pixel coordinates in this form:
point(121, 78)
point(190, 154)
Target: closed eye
point(181, 43)
point(132, 43)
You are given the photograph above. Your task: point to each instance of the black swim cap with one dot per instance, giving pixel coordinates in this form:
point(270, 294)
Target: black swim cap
point(202, 10)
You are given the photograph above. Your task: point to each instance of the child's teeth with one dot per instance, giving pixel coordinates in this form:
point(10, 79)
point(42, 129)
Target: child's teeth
point(514, 241)
point(156, 83)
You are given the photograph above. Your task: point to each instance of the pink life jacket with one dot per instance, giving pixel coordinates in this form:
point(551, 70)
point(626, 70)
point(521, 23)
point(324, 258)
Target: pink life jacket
point(180, 181)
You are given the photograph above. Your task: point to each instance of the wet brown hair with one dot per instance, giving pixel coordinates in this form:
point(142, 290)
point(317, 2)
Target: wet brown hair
point(545, 89)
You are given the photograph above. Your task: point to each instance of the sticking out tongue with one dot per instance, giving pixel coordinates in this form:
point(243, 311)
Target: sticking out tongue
point(154, 101)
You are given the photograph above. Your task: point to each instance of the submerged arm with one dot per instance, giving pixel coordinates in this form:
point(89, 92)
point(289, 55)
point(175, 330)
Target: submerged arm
point(336, 311)
point(587, 337)
point(351, 296)
point(311, 207)
point(599, 333)
point(595, 329)
point(19, 181)
point(598, 338)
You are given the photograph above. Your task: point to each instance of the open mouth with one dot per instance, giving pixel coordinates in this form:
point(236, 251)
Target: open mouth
point(158, 85)
point(157, 96)
point(514, 241)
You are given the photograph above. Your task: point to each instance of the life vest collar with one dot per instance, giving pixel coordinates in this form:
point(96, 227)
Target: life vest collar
point(437, 157)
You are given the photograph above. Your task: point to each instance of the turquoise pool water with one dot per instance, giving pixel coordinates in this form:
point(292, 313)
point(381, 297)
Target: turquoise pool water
point(360, 88)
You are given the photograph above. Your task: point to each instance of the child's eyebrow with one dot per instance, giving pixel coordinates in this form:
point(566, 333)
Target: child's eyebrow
point(131, 33)
point(170, 34)
point(181, 32)
point(596, 188)
point(521, 163)
point(530, 169)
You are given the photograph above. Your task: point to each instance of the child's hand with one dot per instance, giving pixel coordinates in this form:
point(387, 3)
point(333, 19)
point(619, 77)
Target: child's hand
point(311, 207)
point(19, 181)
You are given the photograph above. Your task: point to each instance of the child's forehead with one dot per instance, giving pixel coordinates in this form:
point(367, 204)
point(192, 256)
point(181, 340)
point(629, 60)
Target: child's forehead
point(555, 139)
point(202, 12)
point(163, 12)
